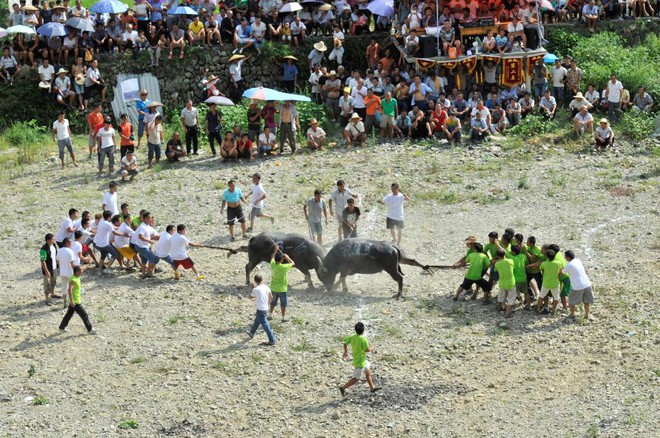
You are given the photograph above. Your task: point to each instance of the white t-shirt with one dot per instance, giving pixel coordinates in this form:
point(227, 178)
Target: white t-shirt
point(162, 247)
point(62, 129)
point(340, 199)
point(263, 140)
point(257, 192)
point(558, 75)
point(614, 91)
point(62, 233)
point(178, 245)
point(107, 137)
point(592, 96)
point(394, 205)
point(575, 271)
point(316, 135)
point(122, 241)
point(259, 30)
point(604, 133)
point(65, 256)
point(76, 248)
point(46, 72)
point(103, 234)
point(145, 231)
point(358, 96)
point(126, 163)
point(518, 28)
point(346, 105)
point(261, 294)
point(355, 128)
point(110, 202)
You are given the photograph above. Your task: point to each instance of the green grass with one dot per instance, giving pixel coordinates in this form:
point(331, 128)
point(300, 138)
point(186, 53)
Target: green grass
point(139, 359)
point(303, 346)
point(219, 365)
point(31, 370)
point(40, 400)
point(128, 424)
point(257, 358)
point(447, 197)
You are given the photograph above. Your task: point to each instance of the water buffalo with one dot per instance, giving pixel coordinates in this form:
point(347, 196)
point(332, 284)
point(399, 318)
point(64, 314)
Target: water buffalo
point(361, 256)
point(307, 254)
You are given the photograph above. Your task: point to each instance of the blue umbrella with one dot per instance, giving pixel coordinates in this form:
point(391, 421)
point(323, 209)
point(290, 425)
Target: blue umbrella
point(183, 10)
point(262, 93)
point(82, 24)
point(549, 58)
point(52, 29)
point(382, 7)
point(109, 7)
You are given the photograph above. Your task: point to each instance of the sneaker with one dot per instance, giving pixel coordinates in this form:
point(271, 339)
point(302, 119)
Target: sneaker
point(92, 332)
point(62, 330)
point(233, 239)
point(177, 275)
point(233, 52)
point(342, 391)
point(284, 320)
point(200, 277)
point(240, 50)
point(249, 230)
point(268, 344)
point(250, 334)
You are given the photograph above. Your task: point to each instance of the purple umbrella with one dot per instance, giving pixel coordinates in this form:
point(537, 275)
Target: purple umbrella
point(382, 7)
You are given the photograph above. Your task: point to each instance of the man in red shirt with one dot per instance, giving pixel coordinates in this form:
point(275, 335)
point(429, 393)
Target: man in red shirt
point(437, 121)
point(94, 122)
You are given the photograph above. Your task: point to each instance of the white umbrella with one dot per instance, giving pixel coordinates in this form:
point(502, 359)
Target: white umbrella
point(219, 100)
point(291, 7)
point(20, 29)
point(3, 33)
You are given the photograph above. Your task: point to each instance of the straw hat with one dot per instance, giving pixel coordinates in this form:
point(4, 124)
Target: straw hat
point(211, 79)
point(356, 116)
point(290, 57)
point(30, 8)
point(332, 73)
point(143, 92)
point(347, 89)
point(578, 95)
point(313, 121)
point(604, 120)
point(45, 85)
point(471, 239)
point(320, 46)
point(62, 70)
point(236, 57)
point(79, 79)
point(325, 7)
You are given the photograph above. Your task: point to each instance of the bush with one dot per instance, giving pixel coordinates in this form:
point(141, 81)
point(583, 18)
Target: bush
point(23, 143)
point(532, 126)
point(636, 125)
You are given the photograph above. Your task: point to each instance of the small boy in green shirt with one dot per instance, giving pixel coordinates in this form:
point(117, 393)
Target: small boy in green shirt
point(478, 263)
point(550, 269)
point(279, 281)
point(504, 268)
point(521, 258)
point(360, 348)
point(491, 251)
point(75, 302)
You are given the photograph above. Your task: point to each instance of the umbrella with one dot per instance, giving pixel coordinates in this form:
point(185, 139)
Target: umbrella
point(3, 33)
point(109, 7)
point(382, 7)
point(82, 24)
point(52, 29)
point(549, 58)
point(545, 4)
point(154, 105)
point(291, 7)
point(219, 100)
point(20, 29)
point(296, 97)
point(183, 10)
point(261, 93)
point(310, 2)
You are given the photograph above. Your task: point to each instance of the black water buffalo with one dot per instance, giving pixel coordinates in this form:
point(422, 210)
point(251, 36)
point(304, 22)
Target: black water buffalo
point(306, 254)
point(361, 256)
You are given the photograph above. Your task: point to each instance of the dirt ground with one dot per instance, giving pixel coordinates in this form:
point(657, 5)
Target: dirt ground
point(172, 358)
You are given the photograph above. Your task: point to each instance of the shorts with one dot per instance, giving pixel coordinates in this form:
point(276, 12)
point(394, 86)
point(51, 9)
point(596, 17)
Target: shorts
point(79, 89)
point(85, 250)
point(508, 295)
point(89, 90)
point(242, 40)
point(235, 213)
point(393, 223)
point(565, 287)
point(316, 228)
point(107, 251)
point(185, 263)
point(493, 275)
point(147, 255)
point(127, 252)
point(280, 296)
point(467, 284)
point(537, 277)
point(579, 296)
point(546, 290)
point(255, 213)
point(386, 121)
point(359, 372)
point(66, 143)
point(521, 287)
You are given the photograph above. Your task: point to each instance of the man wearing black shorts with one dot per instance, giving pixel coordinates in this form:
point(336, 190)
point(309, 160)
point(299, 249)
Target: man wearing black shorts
point(478, 263)
point(232, 198)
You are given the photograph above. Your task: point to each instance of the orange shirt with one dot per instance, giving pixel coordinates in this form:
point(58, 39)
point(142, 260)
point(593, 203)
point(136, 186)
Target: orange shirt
point(371, 104)
point(125, 129)
point(95, 120)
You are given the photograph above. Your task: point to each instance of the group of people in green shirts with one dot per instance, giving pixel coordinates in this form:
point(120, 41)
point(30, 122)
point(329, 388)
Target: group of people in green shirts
point(523, 271)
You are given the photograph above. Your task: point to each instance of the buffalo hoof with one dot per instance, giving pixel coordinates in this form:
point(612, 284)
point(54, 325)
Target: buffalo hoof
point(397, 296)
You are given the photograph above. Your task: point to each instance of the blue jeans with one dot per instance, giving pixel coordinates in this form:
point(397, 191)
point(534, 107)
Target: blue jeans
point(539, 89)
point(110, 153)
point(260, 320)
point(558, 94)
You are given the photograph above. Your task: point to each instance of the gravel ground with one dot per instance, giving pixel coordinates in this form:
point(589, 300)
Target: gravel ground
point(172, 358)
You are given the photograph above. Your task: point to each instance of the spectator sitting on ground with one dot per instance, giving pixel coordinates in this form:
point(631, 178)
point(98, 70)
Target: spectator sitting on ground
point(354, 131)
point(315, 135)
point(245, 147)
point(174, 149)
point(548, 105)
point(63, 92)
point(478, 128)
point(642, 101)
point(583, 121)
point(9, 67)
point(196, 32)
point(128, 166)
point(604, 135)
point(267, 142)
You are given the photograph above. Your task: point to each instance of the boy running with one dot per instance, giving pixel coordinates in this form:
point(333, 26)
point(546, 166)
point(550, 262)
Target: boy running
point(178, 244)
point(75, 303)
point(504, 268)
point(279, 281)
point(360, 348)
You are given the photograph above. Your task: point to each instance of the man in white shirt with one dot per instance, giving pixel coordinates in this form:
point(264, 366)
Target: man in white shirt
point(179, 254)
point(66, 259)
point(315, 135)
point(62, 134)
point(558, 73)
point(129, 166)
point(257, 201)
point(613, 95)
point(162, 248)
point(583, 121)
point(67, 228)
point(107, 141)
point(267, 142)
point(128, 38)
point(46, 71)
point(354, 131)
point(581, 287)
point(104, 232)
point(263, 296)
point(122, 241)
point(394, 202)
point(93, 81)
point(258, 33)
point(110, 199)
point(9, 67)
point(340, 196)
point(142, 239)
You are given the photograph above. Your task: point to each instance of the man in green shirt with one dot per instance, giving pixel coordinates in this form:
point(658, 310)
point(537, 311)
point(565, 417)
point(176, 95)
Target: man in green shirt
point(390, 113)
point(504, 268)
point(564, 280)
point(279, 281)
point(534, 273)
point(490, 249)
point(520, 260)
point(361, 366)
point(75, 303)
point(478, 263)
point(550, 269)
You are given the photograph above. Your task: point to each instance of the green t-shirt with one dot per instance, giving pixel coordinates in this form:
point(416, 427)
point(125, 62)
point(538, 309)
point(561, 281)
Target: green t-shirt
point(491, 250)
point(135, 222)
point(278, 276)
point(504, 267)
point(551, 273)
point(536, 252)
point(389, 109)
point(507, 248)
point(520, 261)
point(76, 288)
point(359, 345)
point(559, 256)
point(478, 262)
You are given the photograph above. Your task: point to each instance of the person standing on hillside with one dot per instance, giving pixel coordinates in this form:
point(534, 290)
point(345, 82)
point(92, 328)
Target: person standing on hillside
point(613, 93)
point(581, 287)
point(141, 108)
point(340, 196)
point(280, 265)
point(74, 290)
point(107, 142)
point(394, 202)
